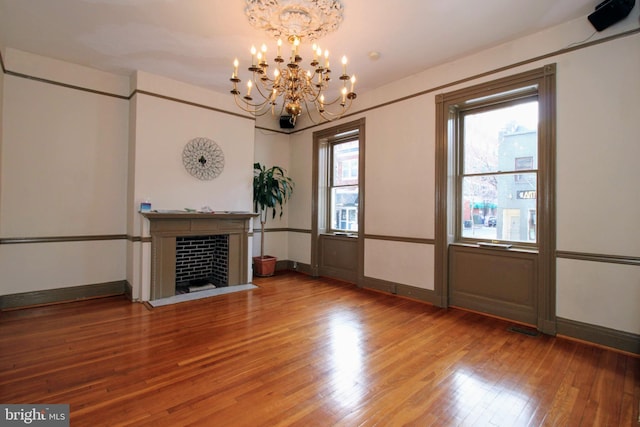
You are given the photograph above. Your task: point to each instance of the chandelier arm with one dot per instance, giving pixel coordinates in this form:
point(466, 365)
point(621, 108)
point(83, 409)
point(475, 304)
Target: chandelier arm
point(266, 85)
point(331, 115)
point(312, 95)
point(308, 110)
point(338, 99)
point(254, 105)
point(328, 115)
point(256, 109)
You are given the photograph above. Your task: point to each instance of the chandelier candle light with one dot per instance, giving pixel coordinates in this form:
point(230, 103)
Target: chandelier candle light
point(298, 89)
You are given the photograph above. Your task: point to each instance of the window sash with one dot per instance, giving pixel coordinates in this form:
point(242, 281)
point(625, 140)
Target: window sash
point(478, 218)
point(340, 187)
point(482, 195)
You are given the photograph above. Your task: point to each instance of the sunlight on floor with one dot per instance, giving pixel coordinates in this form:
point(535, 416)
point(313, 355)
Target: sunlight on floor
point(489, 400)
point(347, 356)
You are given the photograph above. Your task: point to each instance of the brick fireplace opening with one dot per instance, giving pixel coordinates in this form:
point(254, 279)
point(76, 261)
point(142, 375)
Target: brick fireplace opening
point(202, 262)
point(179, 239)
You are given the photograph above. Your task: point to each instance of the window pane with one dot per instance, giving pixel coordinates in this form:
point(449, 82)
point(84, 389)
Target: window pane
point(499, 207)
point(345, 163)
point(493, 139)
point(344, 208)
point(523, 163)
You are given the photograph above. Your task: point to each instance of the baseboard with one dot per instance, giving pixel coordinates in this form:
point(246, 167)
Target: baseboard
point(282, 265)
point(426, 295)
point(52, 296)
point(339, 274)
point(413, 292)
point(607, 337)
point(380, 285)
point(294, 266)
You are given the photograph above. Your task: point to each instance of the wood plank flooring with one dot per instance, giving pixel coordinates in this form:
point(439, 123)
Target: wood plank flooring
point(300, 351)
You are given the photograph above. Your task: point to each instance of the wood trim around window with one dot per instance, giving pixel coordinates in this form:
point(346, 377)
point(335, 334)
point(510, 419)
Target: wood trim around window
point(544, 79)
point(316, 229)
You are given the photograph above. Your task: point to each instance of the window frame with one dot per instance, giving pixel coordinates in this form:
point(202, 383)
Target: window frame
point(319, 233)
point(545, 77)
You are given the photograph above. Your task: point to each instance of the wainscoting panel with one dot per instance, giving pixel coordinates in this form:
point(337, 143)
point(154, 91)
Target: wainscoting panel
point(494, 281)
point(338, 257)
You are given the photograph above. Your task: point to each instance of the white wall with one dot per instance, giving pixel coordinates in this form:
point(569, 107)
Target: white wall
point(63, 173)
point(597, 138)
point(598, 149)
point(601, 294)
point(400, 154)
point(272, 149)
point(300, 148)
point(65, 160)
point(597, 197)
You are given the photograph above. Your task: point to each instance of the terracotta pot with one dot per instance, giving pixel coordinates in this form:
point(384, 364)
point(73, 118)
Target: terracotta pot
point(264, 266)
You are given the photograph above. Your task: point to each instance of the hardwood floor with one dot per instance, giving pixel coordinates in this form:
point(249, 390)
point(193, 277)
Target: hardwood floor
point(305, 352)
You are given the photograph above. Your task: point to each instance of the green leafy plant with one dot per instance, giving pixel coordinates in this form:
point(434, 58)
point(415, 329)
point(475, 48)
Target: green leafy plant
point(271, 190)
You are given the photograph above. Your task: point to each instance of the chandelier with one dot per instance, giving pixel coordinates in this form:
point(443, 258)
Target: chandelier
point(289, 88)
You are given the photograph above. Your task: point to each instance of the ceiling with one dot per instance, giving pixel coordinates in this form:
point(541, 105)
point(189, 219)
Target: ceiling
point(196, 41)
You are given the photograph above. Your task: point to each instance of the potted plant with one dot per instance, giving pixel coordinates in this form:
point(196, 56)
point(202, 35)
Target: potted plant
point(271, 190)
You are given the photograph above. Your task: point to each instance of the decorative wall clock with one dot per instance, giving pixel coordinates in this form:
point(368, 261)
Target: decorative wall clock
point(203, 158)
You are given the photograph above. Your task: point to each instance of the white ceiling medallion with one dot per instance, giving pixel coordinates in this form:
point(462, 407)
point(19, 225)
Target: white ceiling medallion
point(307, 19)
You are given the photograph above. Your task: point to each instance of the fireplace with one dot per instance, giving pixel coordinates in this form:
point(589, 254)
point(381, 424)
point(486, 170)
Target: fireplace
point(202, 262)
point(194, 249)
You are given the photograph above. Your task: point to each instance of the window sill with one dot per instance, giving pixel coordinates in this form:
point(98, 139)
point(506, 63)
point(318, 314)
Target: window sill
point(341, 235)
point(496, 248)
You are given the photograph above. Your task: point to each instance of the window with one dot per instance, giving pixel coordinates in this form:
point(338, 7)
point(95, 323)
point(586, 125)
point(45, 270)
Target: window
point(337, 179)
point(343, 184)
point(497, 171)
